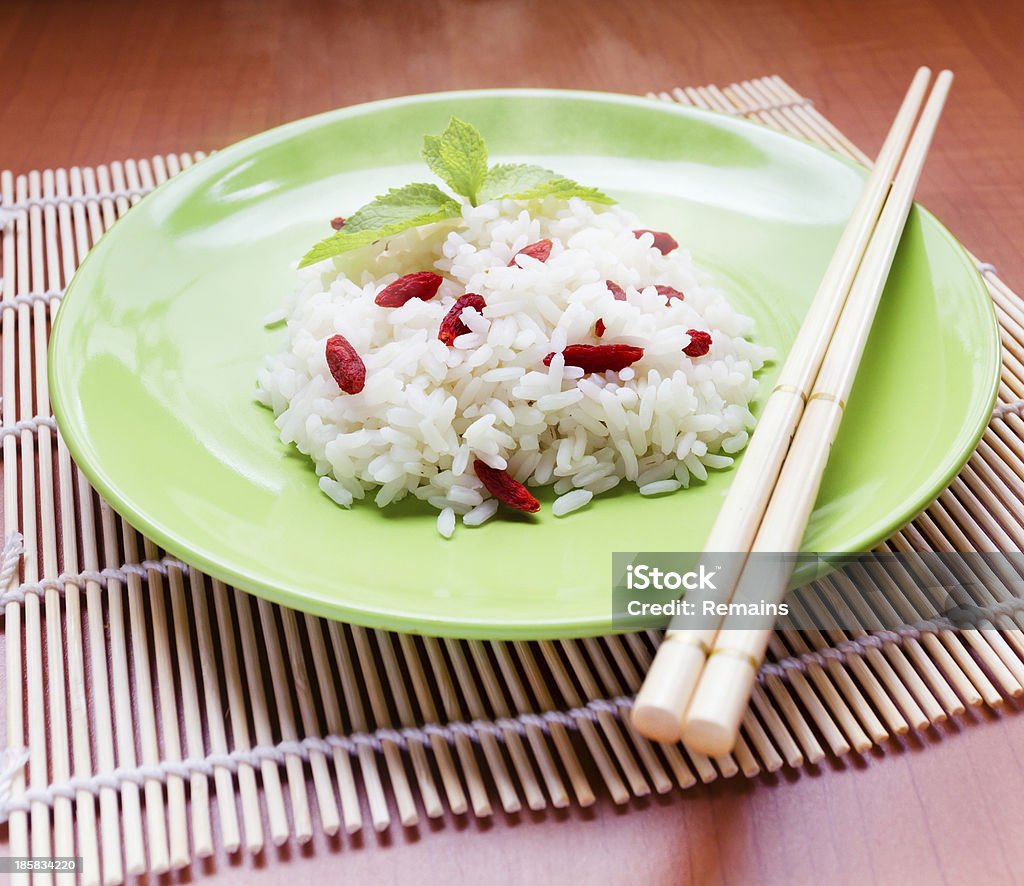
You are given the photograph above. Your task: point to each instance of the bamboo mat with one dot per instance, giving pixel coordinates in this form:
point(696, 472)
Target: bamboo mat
point(164, 715)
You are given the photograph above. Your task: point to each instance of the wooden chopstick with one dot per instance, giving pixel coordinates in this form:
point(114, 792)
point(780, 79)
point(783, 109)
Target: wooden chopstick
point(711, 723)
point(669, 685)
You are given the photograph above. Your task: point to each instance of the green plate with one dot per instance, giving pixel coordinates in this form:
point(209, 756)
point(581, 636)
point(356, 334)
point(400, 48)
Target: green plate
point(156, 346)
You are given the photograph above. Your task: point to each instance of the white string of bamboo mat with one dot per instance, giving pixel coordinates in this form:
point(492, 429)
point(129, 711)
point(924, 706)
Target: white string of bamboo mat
point(10, 210)
point(310, 680)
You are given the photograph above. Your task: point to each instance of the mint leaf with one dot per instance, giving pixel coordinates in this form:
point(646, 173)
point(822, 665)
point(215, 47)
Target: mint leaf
point(563, 189)
point(507, 178)
point(345, 241)
point(399, 205)
point(458, 156)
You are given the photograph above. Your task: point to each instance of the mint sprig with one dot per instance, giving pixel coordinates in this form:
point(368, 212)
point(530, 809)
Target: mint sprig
point(458, 156)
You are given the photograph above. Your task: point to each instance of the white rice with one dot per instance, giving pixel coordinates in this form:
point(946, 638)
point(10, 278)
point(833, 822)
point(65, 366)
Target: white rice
point(571, 501)
point(428, 410)
point(446, 522)
point(660, 487)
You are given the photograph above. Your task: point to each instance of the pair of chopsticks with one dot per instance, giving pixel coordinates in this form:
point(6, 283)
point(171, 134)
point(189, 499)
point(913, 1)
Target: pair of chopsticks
point(700, 682)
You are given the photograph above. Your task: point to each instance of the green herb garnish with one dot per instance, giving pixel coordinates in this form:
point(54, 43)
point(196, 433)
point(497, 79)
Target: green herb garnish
point(458, 156)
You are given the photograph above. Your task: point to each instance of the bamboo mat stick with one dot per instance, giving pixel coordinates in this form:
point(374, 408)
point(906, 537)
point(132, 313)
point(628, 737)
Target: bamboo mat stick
point(236, 608)
point(463, 746)
point(559, 735)
point(167, 741)
point(18, 833)
point(772, 719)
point(442, 752)
point(429, 796)
point(828, 727)
point(298, 679)
point(230, 835)
point(192, 716)
point(534, 734)
point(145, 687)
point(866, 728)
point(302, 822)
point(72, 679)
point(958, 580)
point(609, 724)
point(73, 246)
point(999, 657)
point(883, 702)
point(901, 679)
point(241, 737)
point(393, 762)
point(379, 814)
point(413, 663)
point(34, 651)
point(463, 674)
point(827, 696)
point(513, 742)
point(974, 638)
point(818, 122)
point(680, 659)
point(351, 815)
point(156, 840)
point(56, 704)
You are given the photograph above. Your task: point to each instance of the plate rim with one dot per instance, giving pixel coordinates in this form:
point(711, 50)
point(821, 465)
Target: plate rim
point(464, 626)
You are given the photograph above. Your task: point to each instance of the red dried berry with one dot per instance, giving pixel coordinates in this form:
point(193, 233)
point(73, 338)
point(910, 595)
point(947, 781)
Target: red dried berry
point(616, 290)
point(345, 364)
point(506, 488)
point(599, 328)
point(700, 343)
point(669, 293)
point(338, 223)
point(599, 358)
point(663, 242)
point(452, 326)
point(422, 285)
point(539, 250)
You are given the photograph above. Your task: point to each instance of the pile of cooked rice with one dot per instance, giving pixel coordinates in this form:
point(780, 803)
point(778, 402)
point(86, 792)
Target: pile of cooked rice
point(428, 410)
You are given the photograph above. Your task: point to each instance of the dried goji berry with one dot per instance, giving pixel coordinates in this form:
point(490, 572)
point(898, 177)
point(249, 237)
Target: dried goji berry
point(663, 242)
point(422, 285)
point(338, 223)
point(539, 250)
point(700, 343)
point(669, 293)
point(599, 358)
point(345, 364)
point(452, 326)
point(599, 328)
point(506, 488)
point(616, 290)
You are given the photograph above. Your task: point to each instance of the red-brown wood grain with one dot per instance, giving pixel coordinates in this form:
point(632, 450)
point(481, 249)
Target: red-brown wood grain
point(84, 83)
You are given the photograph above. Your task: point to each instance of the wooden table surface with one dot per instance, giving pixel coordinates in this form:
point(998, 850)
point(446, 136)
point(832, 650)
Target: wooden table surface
point(84, 83)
